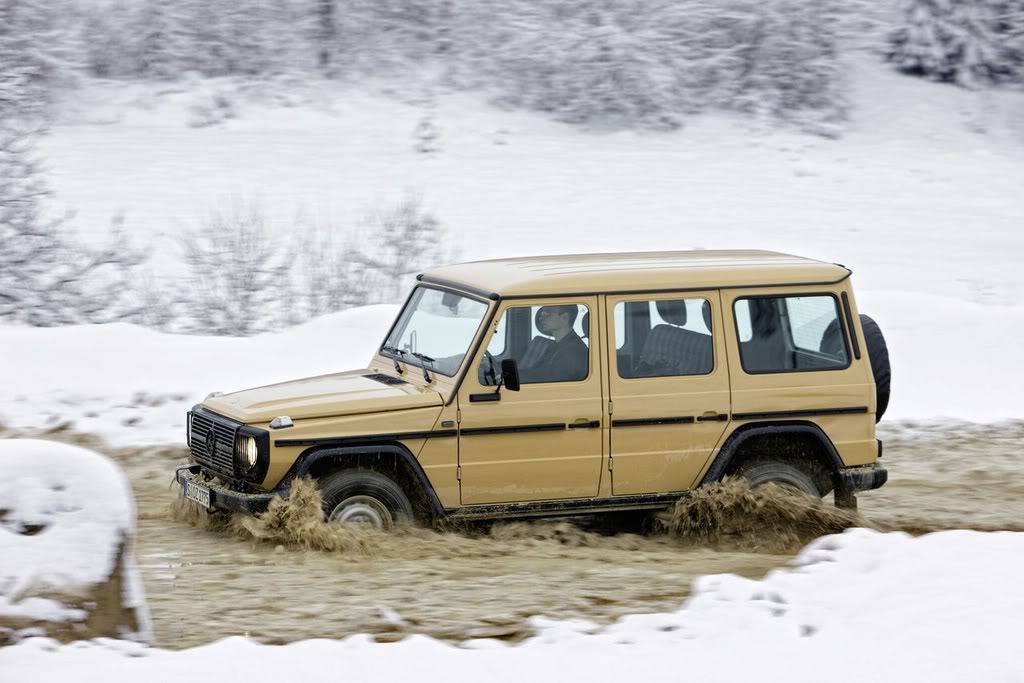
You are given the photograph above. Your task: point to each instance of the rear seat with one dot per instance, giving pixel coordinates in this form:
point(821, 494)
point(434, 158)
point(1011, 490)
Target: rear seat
point(672, 350)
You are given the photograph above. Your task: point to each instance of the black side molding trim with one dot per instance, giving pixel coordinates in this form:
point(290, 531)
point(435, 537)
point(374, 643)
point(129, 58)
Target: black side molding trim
point(515, 429)
point(640, 421)
point(485, 397)
point(799, 413)
point(366, 439)
point(849, 326)
point(721, 417)
point(593, 424)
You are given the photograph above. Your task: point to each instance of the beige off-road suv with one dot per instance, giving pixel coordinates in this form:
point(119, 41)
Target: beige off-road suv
point(562, 385)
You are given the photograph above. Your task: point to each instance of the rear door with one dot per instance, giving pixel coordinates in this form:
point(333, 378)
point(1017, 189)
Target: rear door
point(669, 388)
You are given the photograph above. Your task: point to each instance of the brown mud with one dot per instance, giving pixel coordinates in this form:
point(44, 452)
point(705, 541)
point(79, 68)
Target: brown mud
point(287, 576)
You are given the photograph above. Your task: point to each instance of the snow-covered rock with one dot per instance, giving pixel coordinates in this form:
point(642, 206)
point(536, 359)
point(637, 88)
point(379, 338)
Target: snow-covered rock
point(67, 526)
point(857, 606)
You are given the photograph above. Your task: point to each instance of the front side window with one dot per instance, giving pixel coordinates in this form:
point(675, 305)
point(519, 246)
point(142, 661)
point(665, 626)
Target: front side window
point(549, 343)
point(663, 338)
point(790, 334)
point(435, 329)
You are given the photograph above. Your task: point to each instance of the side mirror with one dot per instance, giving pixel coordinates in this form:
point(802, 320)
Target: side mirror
point(510, 374)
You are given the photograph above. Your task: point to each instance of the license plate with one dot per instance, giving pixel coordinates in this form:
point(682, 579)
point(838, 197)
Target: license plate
point(198, 493)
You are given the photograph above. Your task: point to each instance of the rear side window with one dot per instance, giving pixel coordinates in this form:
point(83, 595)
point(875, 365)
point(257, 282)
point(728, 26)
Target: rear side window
point(790, 334)
point(663, 338)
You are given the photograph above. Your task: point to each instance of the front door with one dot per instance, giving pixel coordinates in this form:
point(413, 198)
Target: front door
point(669, 389)
point(543, 442)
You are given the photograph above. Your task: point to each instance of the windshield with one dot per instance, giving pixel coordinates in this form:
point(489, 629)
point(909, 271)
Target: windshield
point(435, 330)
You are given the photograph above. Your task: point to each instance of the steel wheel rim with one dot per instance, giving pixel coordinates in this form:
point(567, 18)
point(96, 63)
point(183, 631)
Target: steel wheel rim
point(365, 511)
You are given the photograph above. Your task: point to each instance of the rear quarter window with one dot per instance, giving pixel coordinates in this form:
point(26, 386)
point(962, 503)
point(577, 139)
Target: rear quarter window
point(790, 333)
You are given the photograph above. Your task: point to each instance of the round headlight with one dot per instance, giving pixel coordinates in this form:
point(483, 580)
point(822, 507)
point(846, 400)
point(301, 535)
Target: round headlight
point(247, 452)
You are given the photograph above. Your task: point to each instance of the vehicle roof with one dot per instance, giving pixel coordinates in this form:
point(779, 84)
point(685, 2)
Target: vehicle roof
point(638, 271)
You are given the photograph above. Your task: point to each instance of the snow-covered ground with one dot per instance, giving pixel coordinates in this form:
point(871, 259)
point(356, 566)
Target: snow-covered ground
point(67, 517)
point(943, 607)
point(133, 385)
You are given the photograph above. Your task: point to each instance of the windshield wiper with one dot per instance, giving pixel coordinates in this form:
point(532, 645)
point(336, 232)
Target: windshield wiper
point(426, 359)
point(396, 352)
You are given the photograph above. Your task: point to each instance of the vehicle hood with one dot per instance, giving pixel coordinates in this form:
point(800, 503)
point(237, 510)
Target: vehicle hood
point(344, 393)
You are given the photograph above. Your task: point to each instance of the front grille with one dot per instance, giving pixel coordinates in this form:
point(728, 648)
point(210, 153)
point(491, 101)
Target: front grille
point(222, 431)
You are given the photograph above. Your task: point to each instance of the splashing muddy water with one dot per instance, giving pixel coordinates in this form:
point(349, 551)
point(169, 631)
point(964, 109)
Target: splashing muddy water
point(731, 515)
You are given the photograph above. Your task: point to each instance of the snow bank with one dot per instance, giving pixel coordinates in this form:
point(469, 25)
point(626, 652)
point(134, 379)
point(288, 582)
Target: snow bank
point(943, 607)
point(133, 385)
point(67, 524)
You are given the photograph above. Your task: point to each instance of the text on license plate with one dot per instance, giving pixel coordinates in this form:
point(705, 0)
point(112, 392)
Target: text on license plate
point(198, 493)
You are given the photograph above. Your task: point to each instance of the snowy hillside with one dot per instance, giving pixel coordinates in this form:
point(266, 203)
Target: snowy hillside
point(912, 198)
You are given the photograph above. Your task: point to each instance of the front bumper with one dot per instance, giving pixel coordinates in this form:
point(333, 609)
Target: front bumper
point(223, 498)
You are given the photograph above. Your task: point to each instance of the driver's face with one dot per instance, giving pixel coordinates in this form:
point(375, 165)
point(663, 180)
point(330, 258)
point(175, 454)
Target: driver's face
point(551, 320)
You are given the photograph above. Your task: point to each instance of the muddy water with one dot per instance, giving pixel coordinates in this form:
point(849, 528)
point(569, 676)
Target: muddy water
point(205, 582)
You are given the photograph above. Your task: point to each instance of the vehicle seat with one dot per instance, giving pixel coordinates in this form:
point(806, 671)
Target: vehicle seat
point(538, 347)
point(672, 350)
point(766, 350)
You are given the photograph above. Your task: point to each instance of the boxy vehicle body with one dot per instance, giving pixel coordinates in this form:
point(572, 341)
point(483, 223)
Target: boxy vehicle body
point(679, 368)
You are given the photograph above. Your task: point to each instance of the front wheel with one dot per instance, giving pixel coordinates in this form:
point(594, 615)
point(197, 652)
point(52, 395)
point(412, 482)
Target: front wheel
point(366, 498)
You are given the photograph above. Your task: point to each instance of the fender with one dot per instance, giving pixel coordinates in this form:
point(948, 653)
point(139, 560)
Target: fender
point(742, 434)
point(311, 456)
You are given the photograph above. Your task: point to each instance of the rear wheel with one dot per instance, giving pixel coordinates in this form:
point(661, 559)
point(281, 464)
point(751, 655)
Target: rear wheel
point(760, 472)
point(364, 497)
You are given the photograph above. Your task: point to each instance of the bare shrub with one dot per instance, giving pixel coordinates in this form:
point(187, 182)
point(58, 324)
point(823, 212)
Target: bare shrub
point(239, 280)
point(404, 239)
point(47, 277)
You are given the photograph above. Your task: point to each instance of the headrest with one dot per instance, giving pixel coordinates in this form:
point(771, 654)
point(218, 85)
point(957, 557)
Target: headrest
point(673, 312)
point(705, 309)
point(586, 324)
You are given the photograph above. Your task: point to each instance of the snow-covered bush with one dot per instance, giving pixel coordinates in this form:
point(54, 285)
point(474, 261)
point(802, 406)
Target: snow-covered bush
point(970, 42)
point(238, 274)
point(404, 239)
point(633, 63)
point(242, 280)
point(648, 63)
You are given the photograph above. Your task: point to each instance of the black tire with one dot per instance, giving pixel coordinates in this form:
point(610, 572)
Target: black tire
point(374, 492)
point(878, 354)
point(764, 471)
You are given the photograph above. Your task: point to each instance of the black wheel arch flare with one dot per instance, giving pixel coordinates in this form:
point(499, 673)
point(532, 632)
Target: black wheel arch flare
point(320, 454)
point(731, 447)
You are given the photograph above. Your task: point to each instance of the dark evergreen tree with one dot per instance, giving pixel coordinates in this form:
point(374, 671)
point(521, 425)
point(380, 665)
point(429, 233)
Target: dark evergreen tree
point(970, 42)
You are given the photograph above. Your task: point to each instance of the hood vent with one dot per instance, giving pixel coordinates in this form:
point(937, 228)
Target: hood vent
point(385, 379)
